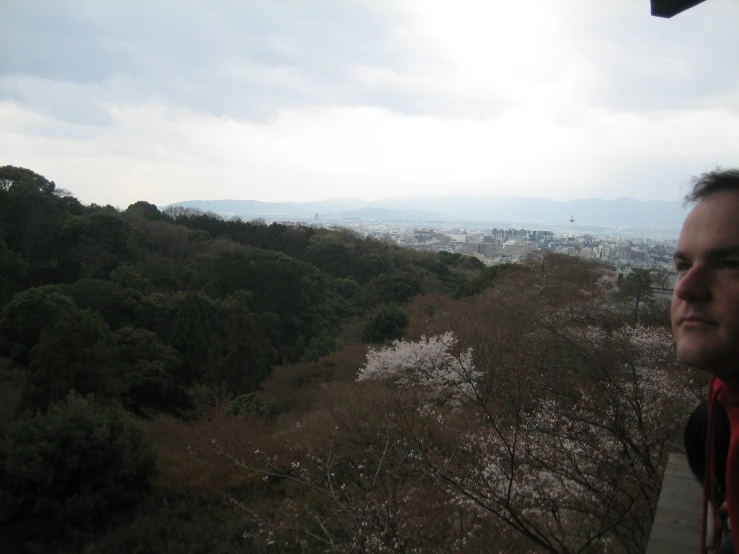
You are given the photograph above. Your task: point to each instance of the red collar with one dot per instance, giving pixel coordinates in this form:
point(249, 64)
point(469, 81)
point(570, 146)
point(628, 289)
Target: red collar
point(715, 389)
point(726, 393)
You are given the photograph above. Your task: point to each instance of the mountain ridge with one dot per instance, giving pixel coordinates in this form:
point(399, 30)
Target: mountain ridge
point(623, 212)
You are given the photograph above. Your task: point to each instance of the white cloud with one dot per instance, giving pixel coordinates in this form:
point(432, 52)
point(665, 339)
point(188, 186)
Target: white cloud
point(163, 154)
point(533, 98)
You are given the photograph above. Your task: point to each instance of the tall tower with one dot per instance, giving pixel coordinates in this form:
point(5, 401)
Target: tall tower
point(572, 220)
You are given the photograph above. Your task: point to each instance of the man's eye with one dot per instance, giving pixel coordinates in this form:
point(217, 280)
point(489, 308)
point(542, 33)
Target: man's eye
point(729, 264)
point(682, 266)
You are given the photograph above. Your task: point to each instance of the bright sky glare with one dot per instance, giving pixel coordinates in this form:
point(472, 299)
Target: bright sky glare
point(297, 100)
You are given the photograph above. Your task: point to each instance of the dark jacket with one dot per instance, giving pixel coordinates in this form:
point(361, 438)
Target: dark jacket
point(695, 436)
point(712, 446)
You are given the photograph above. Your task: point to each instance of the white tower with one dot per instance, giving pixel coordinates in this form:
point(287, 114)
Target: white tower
point(572, 220)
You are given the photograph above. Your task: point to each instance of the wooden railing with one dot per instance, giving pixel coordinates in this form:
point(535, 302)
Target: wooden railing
point(677, 523)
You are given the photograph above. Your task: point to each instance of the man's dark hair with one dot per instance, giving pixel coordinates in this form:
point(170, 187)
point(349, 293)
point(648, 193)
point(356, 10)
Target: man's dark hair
point(712, 182)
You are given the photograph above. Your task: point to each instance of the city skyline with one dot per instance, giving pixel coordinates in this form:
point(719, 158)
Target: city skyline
point(619, 213)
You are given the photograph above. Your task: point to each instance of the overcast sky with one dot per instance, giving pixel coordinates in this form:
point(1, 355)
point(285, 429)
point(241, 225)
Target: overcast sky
point(298, 100)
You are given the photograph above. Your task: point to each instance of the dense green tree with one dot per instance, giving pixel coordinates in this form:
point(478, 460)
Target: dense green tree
point(192, 335)
point(386, 323)
point(66, 470)
point(330, 256)
point(348, 292)
point(162, 239)
point(248, 354)
point(134, 268)
point(391, 287)
point(198, 274)
point(95, 244)
point(369, 266)
point(144, 210)
point(218, 275)
point(128, 277)
point(163, 272)
point(148, 370)
point(156, 312)
point(487, 278)
point(121, 307)
point(116, 305)
point(16, 177)
point(318, 347)
point(470, 262)
point(436, 266)
point(26, 317)
point(251, 404)
point(461, 261)
point(301, 296)
point(12, 270)
point(346, 288)
point(77, 351)
point(255, 233)
point(293, 241)
point(32, 212)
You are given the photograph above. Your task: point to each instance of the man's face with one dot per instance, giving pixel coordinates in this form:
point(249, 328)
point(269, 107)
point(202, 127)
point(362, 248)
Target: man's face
point(705, 303)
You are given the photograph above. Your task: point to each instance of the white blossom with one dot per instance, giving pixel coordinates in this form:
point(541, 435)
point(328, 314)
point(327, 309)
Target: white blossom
point(430, 363)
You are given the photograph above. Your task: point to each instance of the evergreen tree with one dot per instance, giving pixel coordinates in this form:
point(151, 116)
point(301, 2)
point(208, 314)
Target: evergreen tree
point(64, 471)
point(386, 323)
point(148, 370)
point(248, 353)
point(32, 213)
point(12, 270)
point(77, 352)
point(26, 317)
point(192, 335)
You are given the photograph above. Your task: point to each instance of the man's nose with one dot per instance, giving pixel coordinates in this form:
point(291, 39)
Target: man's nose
point(693, 285)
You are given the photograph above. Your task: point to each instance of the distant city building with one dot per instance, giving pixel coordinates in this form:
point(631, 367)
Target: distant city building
point(495, 246)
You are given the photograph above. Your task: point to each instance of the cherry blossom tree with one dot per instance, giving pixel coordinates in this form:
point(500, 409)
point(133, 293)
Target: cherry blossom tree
point(571, 468)
point(352, 479)
point(534, 415)
point(436, 364)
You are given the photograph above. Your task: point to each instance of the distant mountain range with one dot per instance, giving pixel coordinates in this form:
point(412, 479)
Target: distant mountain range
point(619, 214)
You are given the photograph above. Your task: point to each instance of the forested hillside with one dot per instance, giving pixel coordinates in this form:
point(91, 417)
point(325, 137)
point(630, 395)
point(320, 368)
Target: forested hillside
point(168, 300)
point(177, 382)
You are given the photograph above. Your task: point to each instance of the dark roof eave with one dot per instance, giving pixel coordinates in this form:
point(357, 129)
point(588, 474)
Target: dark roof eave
point(670, 8)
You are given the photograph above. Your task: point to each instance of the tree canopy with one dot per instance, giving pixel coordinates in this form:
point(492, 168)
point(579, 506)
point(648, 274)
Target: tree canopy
point(345, 394)
point(141, 304)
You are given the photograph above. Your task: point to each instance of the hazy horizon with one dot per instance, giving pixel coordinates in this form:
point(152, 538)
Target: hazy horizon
point(618, 213)
point(324, 99)
point(422, 195)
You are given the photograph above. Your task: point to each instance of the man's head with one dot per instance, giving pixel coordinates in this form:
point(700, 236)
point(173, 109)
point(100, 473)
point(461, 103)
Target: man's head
point(705, 304)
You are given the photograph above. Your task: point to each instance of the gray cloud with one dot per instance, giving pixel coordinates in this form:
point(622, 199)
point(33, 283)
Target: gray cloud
point(248, 59)
point(243, 61)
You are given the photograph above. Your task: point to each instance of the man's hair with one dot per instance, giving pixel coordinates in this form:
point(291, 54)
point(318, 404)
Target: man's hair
point(712, 182)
